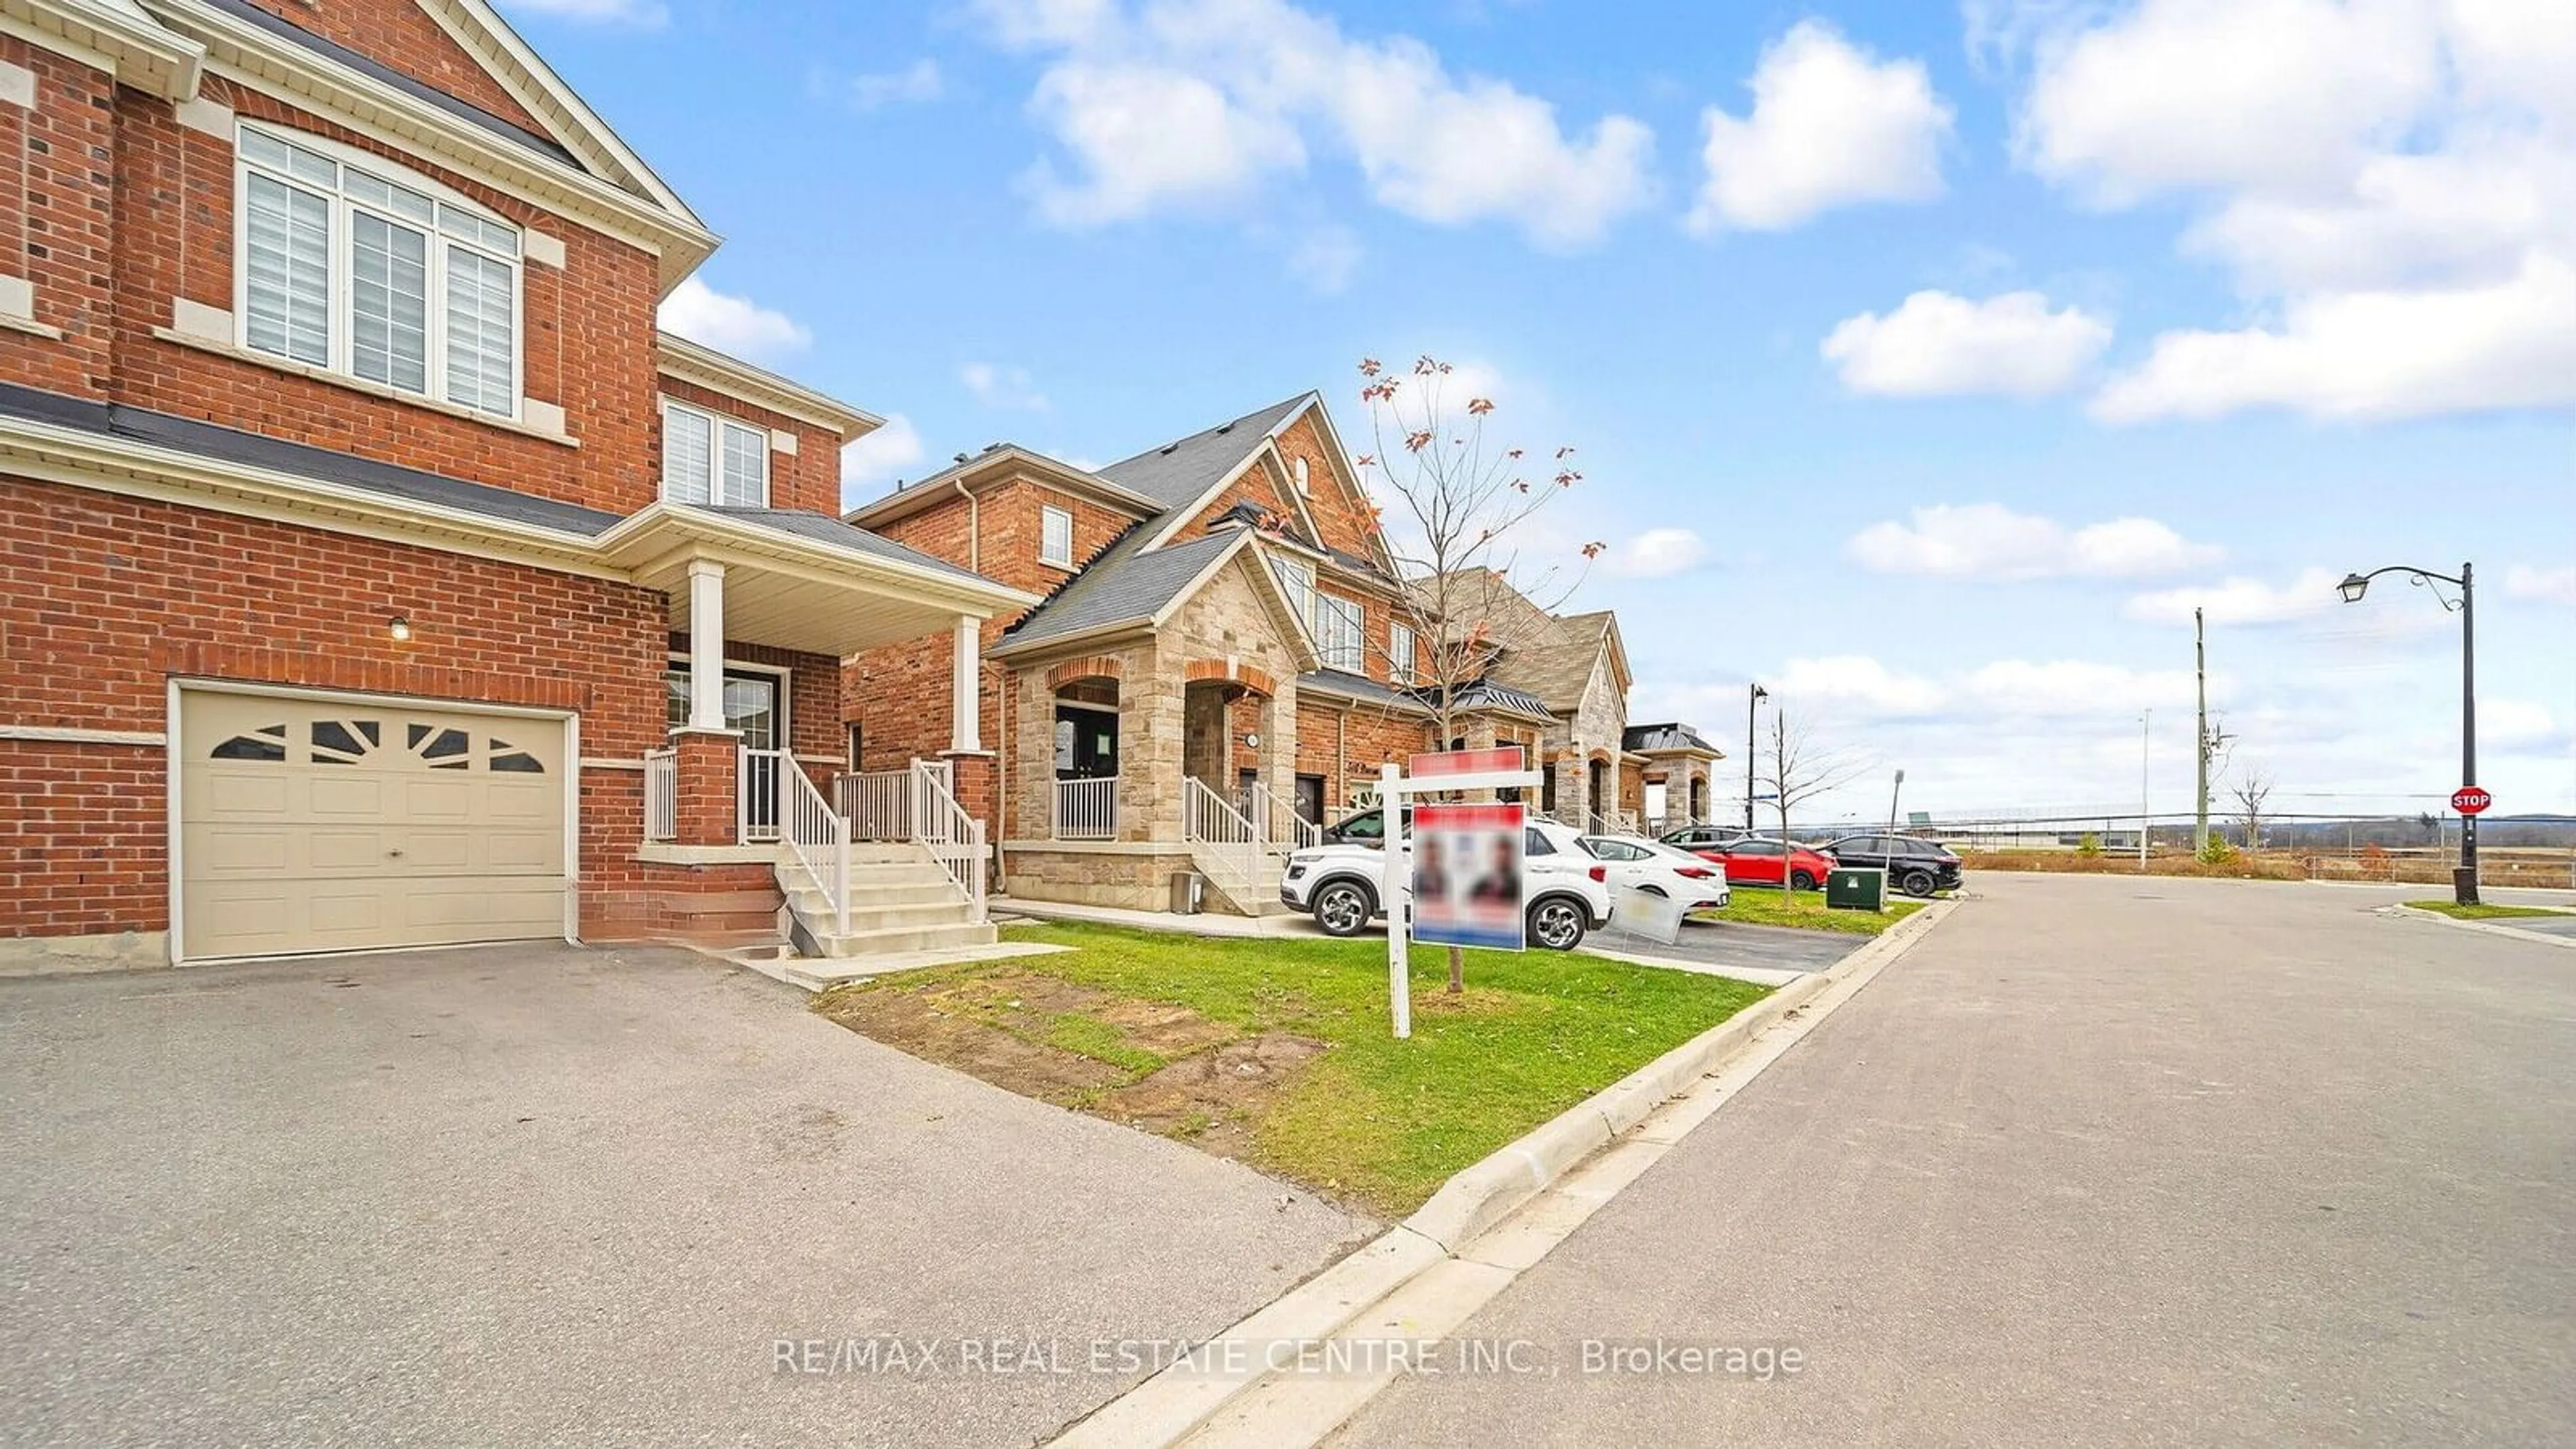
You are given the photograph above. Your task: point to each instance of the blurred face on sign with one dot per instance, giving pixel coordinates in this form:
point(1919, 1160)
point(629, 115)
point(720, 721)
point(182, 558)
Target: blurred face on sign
point(1467, 875)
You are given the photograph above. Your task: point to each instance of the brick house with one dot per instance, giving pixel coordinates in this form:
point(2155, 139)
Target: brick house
point(1222, 659)
point(374, 573)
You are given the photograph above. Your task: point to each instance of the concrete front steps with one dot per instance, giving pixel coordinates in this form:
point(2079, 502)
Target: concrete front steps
point(901, 902)
point(1264, 896)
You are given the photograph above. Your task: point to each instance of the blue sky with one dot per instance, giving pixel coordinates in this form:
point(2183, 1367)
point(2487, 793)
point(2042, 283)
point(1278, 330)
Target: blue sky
point(1926, 364)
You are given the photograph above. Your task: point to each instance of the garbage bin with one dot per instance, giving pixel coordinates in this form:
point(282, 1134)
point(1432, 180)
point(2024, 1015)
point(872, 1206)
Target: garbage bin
point(1849, 888)
point(1188, 889)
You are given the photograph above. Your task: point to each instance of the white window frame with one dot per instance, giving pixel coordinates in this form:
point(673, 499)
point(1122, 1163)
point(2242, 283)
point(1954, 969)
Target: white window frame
point(1048, 518)
point(717, 426)
point(1297, 579)
point(1400, 647)
point(340, 279)
point(1341, 633)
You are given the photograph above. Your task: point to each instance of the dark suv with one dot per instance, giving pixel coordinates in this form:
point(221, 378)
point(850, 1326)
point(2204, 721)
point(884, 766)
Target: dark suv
point(1916, 867)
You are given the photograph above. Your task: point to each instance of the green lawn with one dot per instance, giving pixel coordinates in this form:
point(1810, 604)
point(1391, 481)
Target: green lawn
point(2458, 912)
point(1805, 910)
point(1368, 1119)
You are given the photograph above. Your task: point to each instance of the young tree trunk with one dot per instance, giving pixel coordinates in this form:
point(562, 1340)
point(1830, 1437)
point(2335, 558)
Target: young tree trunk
point(1457, 970)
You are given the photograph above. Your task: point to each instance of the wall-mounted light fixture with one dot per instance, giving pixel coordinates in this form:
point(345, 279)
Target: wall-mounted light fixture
point(400, 627)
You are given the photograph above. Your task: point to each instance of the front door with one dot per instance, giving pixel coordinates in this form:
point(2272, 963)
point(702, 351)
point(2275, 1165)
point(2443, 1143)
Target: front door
point(1086, 744)
point(1310, 799)
point(751, 709)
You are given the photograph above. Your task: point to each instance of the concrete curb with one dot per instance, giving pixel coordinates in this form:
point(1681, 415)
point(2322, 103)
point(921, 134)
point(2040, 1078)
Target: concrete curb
point(1175, 1404)
point(2490, 927)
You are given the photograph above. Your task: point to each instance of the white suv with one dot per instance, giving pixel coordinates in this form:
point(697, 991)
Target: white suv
point(1567, 893)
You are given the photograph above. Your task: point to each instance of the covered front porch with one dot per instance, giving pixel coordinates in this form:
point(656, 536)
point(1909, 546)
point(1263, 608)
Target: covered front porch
point(747, 798)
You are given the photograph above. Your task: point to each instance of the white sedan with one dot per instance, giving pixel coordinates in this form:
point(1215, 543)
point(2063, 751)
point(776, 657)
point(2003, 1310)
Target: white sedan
point(1664, 870)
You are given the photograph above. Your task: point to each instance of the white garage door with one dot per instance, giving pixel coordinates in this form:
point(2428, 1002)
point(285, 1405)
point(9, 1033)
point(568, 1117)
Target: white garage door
point(339, 825)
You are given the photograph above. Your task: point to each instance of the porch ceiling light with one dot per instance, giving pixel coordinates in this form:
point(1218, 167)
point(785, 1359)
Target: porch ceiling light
point(400, 627)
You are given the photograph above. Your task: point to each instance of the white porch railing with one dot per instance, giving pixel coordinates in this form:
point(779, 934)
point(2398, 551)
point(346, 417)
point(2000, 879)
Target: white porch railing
point(1086, 809)
point(1224, 844)
point(661, 794)
point(758, 784)
point(955, 839)
point(1283, 829)
point(878, 804)
point(818, 841)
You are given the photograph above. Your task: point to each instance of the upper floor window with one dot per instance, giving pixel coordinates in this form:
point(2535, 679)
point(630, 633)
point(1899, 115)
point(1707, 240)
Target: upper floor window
point(1055, 537)
point(708, 459)
point(1399, 653)
point(1297, 470)
point(342, 268)
point(1297, 577)
point(1341, 633)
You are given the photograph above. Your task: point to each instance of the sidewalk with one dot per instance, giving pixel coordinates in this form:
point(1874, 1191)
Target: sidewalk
point(1207, 923)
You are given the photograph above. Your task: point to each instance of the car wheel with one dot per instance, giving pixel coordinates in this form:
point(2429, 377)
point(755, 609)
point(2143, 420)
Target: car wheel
point(1802, 881)
point(1557, 923)
point(1343, 908)
point(1916, 883)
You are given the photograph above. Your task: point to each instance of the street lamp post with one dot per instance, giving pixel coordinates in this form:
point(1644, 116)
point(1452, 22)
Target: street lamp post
point(2464, 880)
point(1892, 795)
point(1758, 695)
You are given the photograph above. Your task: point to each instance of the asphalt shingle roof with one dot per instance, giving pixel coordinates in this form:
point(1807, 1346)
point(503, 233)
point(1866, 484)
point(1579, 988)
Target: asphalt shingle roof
point(1126, 584)
point(1356, 686)
point(1653, 737)
point(1176, 473)
point(823, 528)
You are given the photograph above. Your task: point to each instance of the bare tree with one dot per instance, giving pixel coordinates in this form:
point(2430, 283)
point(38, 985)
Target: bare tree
point(1459, 505)
point(1800, 769)
point(2253, 786)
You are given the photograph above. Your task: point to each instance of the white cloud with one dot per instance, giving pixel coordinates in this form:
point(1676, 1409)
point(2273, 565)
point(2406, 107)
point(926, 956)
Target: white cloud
point(1830, 126)
point(2374, 354)
point(869, 463)
point(730, 324)
point(1659, 553)
point(2240, 600)
point(1325, 259)
point(613, 12)
point(1191, 104)
point(1938, 344)
point(1859, 682)
point(2075, 687)
point(2515, 723)
point(2555, 586)
point(919, 81)
point(1007, 388)
point(1992, 542)
point(2391, 183)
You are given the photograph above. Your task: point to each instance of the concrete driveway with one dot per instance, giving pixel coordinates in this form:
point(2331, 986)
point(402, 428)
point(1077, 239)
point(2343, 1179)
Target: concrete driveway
point(547, 1195)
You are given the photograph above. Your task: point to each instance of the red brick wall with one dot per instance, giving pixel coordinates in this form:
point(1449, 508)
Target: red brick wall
point(400, 34)
point(809, 478)
point(56, 176)
point(587, 344)
point(1346, 746)
point(1345, 522)
point(103, 598)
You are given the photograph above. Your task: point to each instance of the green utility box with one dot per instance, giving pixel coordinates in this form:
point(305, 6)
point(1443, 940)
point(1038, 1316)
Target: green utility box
point(1856, 890)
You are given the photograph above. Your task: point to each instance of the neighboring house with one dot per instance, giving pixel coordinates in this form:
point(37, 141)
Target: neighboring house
point(1222, 659)
point(373, 568)
point(1601, 773)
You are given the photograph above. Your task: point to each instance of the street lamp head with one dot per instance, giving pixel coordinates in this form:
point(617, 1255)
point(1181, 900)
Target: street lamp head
point(2352, 588)
point(1760, 693)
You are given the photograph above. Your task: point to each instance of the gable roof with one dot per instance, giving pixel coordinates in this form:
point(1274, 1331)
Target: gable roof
point(1184, 470)
point(1129, 584)
point(1673, 738)
point(995, 464)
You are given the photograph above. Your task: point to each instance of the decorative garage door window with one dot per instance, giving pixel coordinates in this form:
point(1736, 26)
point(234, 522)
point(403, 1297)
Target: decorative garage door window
point(363, 742)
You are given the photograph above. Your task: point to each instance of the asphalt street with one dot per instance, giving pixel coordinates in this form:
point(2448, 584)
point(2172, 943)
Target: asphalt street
point(2101, 1161)
point(538, 1195)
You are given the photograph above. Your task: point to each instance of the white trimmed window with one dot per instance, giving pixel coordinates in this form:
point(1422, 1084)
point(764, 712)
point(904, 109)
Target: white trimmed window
point(395, 282)
point(1399, 653)
point(1297, 470)
point(1341, 633)
point(1297, 577)
point(1055, 537)
point(714, 460)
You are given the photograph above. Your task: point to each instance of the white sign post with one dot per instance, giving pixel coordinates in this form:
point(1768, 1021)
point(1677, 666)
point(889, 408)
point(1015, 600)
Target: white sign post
point(1395, 879)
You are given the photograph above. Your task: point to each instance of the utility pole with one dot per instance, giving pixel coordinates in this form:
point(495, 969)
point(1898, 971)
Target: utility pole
point(1892, 796)
point(2146, 734)
point(2200, 668)
point(1755, 697)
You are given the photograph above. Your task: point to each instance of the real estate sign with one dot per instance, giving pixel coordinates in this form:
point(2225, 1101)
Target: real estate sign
point(1467, 876)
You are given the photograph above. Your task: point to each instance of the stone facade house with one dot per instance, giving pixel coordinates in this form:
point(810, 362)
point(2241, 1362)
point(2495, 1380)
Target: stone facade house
point(373, 572)
point(1221, 659)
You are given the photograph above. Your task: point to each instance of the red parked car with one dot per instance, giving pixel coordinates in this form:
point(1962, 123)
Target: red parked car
point(1755, 861)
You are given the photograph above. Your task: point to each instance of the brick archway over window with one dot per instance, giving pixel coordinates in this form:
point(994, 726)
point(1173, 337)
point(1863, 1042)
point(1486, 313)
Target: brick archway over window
point(1097, 666)
point(1258, 681)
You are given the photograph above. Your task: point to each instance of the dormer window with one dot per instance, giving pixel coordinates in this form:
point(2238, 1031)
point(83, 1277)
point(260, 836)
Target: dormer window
point(711, 459)
point(357, 267)
point(1055, 537)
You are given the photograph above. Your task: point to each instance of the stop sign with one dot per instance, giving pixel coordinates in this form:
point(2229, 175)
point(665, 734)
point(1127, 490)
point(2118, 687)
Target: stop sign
point(2469, 799)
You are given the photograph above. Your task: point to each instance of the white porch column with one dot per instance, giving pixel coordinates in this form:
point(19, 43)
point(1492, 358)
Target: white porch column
point(965, 706)
point(706, 645)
